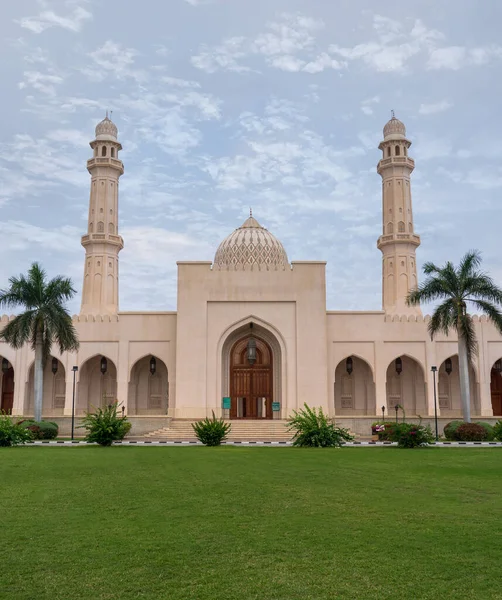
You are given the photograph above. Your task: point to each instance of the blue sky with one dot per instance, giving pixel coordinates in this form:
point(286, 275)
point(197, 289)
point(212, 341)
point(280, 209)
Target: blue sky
point(226, 104)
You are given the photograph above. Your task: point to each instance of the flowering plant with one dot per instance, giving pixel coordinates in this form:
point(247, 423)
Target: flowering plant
point(378, 428)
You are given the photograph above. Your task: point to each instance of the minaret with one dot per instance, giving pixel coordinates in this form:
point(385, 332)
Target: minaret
point(102, 243)
point(398, 241)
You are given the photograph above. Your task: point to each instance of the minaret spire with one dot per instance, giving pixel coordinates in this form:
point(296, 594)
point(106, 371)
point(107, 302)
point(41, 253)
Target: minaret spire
point(102, 242)
point(398, 242)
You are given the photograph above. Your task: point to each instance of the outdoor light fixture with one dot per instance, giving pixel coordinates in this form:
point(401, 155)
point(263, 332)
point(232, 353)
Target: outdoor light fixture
point(396, 408)
point(399, 366)
point(153, 365)
point(5, 365)
point(54, 366)
point(498, 366)
point(349, 365)
point(103, 365)
point(448, 366)
point(383, 413)
point(251, 351)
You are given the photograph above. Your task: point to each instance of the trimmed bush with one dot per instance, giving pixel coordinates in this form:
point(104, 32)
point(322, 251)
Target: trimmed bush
point(211, 432)
point(12, 434)
point(451, 428)
point(384, 436)
point(489, 430)
point(497, 430)
point(43, 430)
point(471, 432)
point(105, 426)
point(313, 429)
point(410, 435)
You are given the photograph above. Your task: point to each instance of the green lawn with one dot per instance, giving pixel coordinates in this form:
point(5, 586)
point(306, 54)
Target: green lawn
point(250, 523)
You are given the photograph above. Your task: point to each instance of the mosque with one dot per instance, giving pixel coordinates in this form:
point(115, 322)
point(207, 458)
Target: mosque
point(252, 338)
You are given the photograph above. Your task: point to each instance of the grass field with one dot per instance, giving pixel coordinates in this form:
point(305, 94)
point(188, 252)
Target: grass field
point(250, 523)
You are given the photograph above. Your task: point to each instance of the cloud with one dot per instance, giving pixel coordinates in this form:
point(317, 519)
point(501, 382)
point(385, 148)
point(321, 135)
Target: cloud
point(225, 56)
point(457, 57)
point(42, 82)
point(48, 18)
point(366, 107)
point(437, 107)
point(113, 59)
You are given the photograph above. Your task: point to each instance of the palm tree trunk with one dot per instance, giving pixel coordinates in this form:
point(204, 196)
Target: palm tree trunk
point(465, 388)
point(39, 377)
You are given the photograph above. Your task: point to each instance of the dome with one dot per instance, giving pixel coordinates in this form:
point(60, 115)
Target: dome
point(106, 130)
point(394, 128)
point(251, 247)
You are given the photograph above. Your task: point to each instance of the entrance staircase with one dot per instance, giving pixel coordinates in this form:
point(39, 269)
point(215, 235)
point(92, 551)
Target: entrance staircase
point(274, 430)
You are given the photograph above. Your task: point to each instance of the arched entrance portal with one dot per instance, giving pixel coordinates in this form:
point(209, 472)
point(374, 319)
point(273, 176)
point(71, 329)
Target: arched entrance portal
point(251, 381)
point(496, 388)
point(7, 386)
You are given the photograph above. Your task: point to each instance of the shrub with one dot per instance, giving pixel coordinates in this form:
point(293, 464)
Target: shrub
point(471, 432)
point(12, 434)
point(410, 435)
point(489, 430)
point(451, 428)
point(313, 429)
point(105, 426)
point(43, 430)
point(211, 432)
point(497, 430)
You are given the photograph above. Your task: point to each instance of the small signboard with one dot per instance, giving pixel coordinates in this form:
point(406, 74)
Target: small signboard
point(276, 406)
point(226, 403)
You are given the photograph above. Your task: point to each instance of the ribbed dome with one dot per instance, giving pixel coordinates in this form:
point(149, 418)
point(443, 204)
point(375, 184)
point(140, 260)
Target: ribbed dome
point(106, 130)
point(394, 128)
point(251, 247)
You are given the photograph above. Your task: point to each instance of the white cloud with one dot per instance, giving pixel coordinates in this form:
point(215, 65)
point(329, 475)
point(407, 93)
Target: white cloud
point(42, 82)
point(225, 57)
point(48, 18)
point(436, 107)
point(366, 105)
point(457, 57)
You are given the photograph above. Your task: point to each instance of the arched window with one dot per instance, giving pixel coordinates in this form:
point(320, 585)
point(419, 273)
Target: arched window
point(111, 228)
point(398, 151)
point(113, 152)
point(91, 227)
point(390, 228)
point(101, 227)
point(103, 151)
point(400, 227)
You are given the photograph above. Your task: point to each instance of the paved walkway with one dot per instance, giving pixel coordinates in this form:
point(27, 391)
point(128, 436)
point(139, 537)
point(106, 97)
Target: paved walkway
point(194, 443)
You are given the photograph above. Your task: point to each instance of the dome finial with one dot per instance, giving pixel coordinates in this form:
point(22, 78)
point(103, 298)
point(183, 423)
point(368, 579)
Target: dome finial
point(392, 114)
point(250, 212)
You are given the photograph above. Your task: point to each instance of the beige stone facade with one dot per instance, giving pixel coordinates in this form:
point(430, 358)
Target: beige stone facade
point(252, 337)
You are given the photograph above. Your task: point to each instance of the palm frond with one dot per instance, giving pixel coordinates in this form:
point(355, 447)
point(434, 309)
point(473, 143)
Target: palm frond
point(469, 262)
point(431, 289)
point(492, 312)
point(19, 331)
point(482, 287)
point(443, 318)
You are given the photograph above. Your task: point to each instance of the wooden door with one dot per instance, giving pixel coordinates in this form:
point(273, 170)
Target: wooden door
point(251, 384)
point(496, 390)
point(8, 391)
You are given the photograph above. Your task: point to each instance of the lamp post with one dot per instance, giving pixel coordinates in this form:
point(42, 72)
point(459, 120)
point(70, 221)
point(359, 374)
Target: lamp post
point(434, 371)
point(74, 369)
point(383, 414)
point(396, 408)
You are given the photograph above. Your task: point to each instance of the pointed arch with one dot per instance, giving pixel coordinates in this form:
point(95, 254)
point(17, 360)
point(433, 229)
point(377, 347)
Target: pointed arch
point(354, 392)
point(7, 383)
point(148, 392)
point(407, 388)
point(94, 388)
point(449, 401)
point(54, 390)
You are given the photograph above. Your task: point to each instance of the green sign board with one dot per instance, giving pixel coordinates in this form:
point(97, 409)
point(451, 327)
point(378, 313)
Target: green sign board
point(226, 403)
point(276, 406)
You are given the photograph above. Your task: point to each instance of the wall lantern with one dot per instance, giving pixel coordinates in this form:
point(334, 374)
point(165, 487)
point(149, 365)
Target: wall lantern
point(498, 366)
point(349, 365)
point(448, 366)
point(399, 366)
point(54, 366)
point(104, 365)
point(5, 365)
point(251, 351)
point(153, 365)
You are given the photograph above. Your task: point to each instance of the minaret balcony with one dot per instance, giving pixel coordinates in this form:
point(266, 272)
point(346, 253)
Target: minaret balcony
point(395, 160)
point(399, 238)
point(102, 238)
point(99, 161)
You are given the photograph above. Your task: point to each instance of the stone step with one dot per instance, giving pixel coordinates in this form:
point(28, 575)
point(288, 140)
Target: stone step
point(241, 430)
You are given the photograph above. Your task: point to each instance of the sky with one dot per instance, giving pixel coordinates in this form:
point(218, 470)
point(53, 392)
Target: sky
point(223, 105)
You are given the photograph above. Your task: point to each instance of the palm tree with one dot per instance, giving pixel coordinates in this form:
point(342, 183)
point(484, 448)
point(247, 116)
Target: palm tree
point(458, 287)
point(45, 320)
